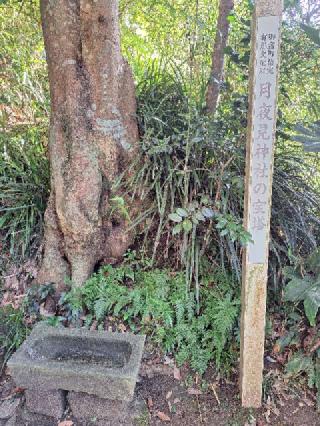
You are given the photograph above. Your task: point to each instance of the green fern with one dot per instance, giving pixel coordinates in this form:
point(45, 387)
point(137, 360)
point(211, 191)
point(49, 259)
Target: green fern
point(156, 301)
point(224, 316)
point(100, 309)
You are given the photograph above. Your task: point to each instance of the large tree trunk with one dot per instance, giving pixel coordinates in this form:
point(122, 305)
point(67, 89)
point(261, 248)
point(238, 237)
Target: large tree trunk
point(93, 136)
point(217, 67)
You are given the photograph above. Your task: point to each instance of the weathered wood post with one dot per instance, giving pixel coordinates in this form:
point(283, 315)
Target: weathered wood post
point(258, 187)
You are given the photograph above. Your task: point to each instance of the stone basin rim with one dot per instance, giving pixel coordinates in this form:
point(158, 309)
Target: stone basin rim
point(114, 383)
point(42, 330)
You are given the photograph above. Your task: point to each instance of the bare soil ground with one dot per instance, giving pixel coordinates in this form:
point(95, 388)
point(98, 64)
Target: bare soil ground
point(177, 397)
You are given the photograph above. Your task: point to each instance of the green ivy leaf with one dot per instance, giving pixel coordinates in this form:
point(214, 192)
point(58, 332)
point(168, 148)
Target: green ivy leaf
point(200, 216)
point(298, 364)
point(221, 224)
point(187, 225)
point(208, 213)
point(286, 340)
point(177, 229)
point(297, 289)
point(313, 262)
point(231, 18)
point(205, 200)
point(182, 212)
point(311, 305)
point(118, 200)
point(175, 217)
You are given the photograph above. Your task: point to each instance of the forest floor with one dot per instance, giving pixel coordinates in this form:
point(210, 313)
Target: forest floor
point(177, 397)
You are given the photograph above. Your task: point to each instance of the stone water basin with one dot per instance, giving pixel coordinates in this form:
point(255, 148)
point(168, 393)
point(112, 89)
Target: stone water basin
point(100, 363)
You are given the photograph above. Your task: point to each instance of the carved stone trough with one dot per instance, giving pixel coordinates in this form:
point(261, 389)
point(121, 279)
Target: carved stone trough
point(101, 364)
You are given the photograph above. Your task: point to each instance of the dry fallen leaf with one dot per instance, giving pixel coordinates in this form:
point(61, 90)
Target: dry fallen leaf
point(267, 416)
point(276, 348)
point(94, 325)
point(43, 311)
point(66, 423)
point(162, 416)
point(168, 360)
point(169, 394)
point(11, 282)
point(122, 328)
point(276, 411)
point(308, 402)
point(176, 373)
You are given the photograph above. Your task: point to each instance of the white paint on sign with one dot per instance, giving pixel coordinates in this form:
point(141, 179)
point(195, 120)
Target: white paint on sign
point(264, 118)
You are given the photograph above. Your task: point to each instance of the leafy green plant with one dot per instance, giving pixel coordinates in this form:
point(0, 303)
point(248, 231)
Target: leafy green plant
point(309, 136)
point(303, 288)
point(24, 186)
point(192, 167)
point(183, 171)
point(155, 302)
point(35, 296)
point(24, 107)
point(300, 346)
point(13, 331)
point(118, 205)
point(195, 213)
point(15, 323)
point(302, 363)
point(304, 285)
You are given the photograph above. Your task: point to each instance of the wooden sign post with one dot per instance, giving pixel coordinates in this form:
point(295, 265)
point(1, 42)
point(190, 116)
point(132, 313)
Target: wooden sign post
point(258, 187)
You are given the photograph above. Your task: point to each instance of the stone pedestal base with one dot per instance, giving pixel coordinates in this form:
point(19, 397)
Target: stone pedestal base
point(90, 407)
point(49, 403)
point(86, 409)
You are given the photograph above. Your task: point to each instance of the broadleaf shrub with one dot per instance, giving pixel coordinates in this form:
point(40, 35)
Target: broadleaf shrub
point(304, 286)
point(302, 294)
point(192, 164)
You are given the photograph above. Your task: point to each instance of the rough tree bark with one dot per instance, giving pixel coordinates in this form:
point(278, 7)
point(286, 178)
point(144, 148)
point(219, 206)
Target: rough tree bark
point(217, 67)
point(93, 135)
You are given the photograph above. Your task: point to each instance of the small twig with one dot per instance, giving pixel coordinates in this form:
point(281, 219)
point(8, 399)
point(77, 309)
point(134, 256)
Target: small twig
point(10, 276)
point(223, 167)
point(315, 347)
point(215, 393)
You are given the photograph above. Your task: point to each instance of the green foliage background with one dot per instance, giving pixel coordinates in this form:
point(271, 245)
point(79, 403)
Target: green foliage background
point(169, 46)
